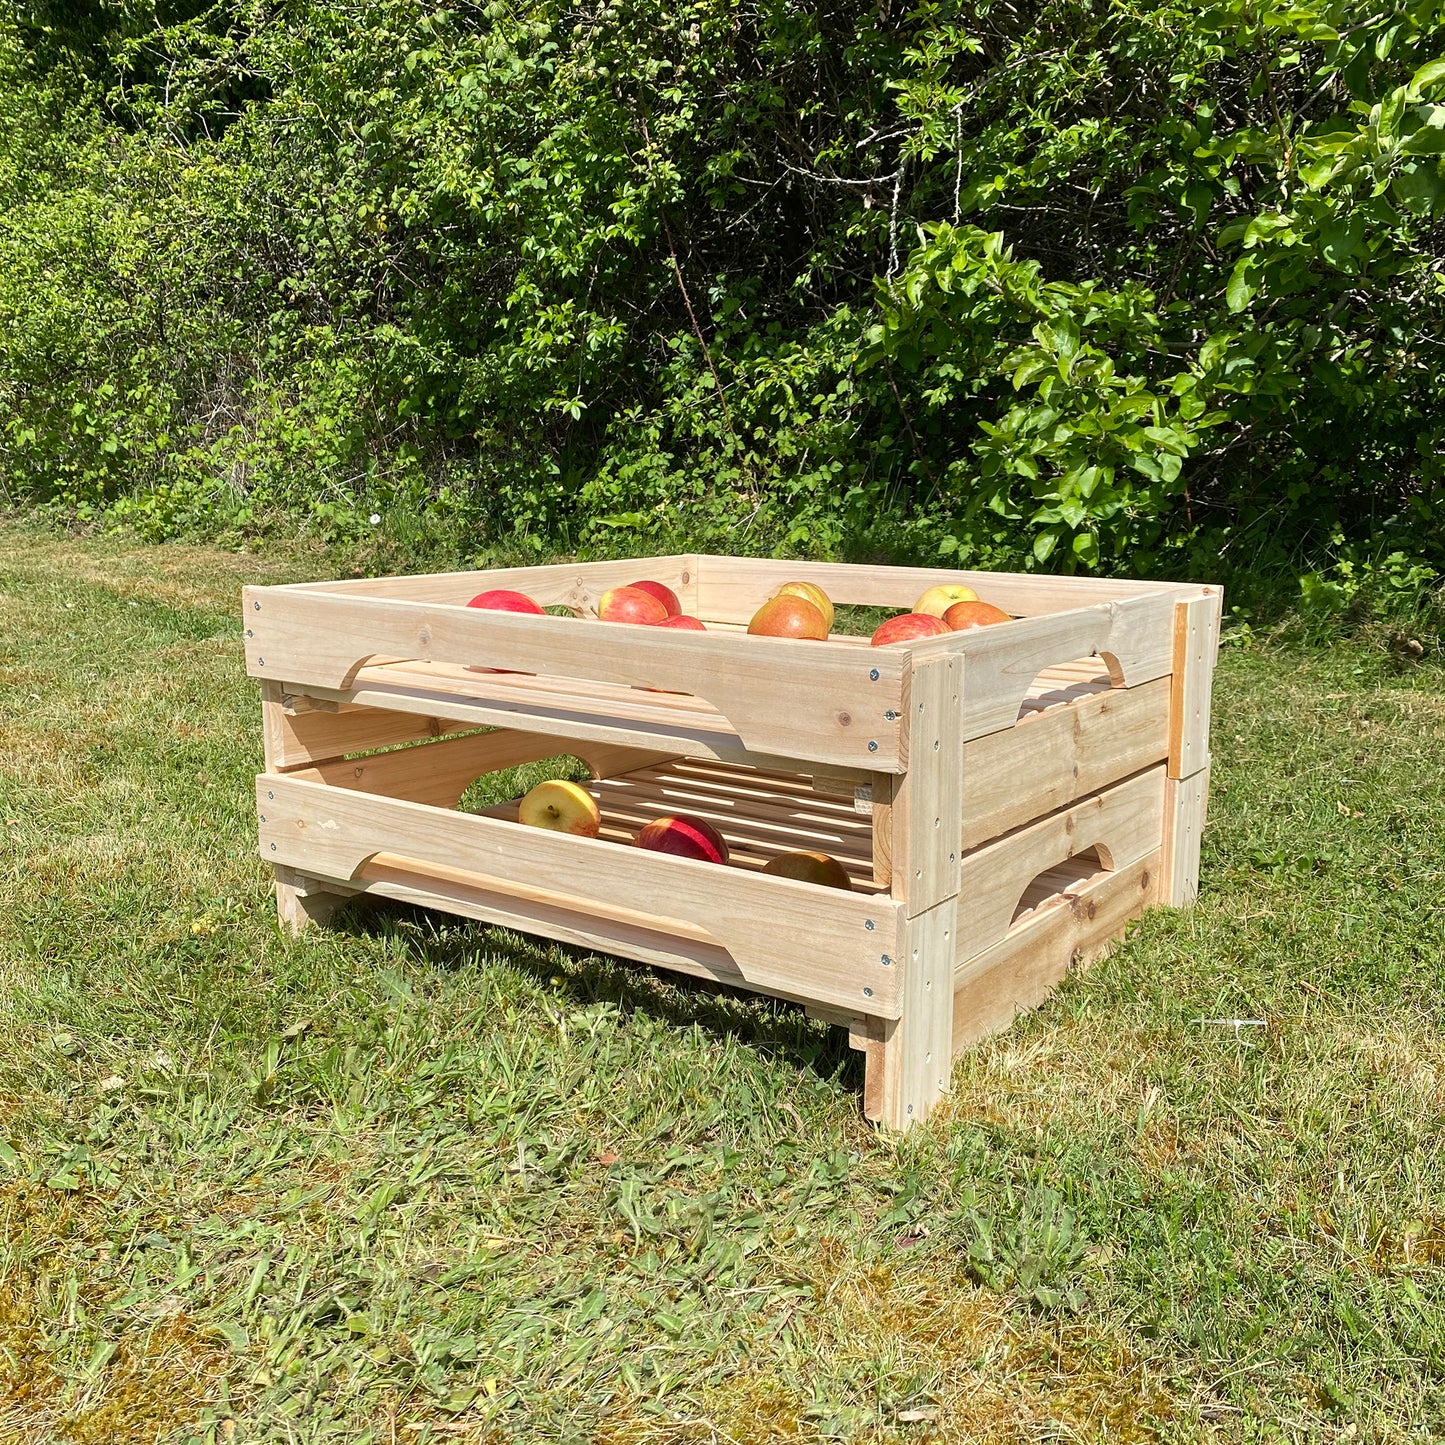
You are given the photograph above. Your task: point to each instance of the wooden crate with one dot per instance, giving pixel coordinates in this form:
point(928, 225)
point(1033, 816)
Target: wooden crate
point(1004, 799)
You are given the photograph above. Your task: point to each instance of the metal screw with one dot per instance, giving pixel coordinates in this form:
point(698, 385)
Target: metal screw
point(273, 847)
point(263, 817)
point(867, 992)
point(249, 633)
point(910, 1108)
point(872, 746)
point(887, 961)
point(868, 924)
point(260, 662)
point(271, 796)
point(891, 715)
point(953, 857)
point(872, 671)
point(256, 606)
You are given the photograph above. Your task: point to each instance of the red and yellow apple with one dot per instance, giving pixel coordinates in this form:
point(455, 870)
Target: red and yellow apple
point(910, 627)
point(662, 592)
point(937, 600)
point(503, 601)
point(630, 604)
point(789, 616)
point(684, 837)
point(681, 623)
point(561, 806)
point(963, 615)
point(810, 592)
point(816, 868)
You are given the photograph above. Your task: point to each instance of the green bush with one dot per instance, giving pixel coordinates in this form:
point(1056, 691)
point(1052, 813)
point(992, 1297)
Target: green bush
point(1135, 286)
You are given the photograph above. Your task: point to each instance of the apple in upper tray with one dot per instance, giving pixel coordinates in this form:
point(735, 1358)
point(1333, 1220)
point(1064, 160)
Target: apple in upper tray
point(963, 615)
point(684, 837)
point(631, 604)
point(502, 600)
point(562, 807)
point(910, 627)
point(810, 592)
point(787, 615)
point(662, 592)
point(937, 600)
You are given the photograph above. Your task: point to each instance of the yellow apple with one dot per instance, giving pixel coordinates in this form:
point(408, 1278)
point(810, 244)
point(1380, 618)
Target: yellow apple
point(937, 600)
point(810, 592)
point(562, 807)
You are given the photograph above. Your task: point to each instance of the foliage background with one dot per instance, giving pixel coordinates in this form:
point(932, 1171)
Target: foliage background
point(1134, 284)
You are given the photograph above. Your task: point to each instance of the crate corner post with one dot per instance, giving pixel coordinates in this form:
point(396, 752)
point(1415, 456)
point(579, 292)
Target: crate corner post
point(1196, 649)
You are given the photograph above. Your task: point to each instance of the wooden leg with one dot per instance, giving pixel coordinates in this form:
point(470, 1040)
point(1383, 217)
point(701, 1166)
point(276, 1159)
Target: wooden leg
point(909, 1059)
point(1185, 805)
point(302, 902)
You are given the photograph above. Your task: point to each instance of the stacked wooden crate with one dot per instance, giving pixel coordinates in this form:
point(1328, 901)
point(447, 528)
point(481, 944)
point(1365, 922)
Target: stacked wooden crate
point(1004, 799)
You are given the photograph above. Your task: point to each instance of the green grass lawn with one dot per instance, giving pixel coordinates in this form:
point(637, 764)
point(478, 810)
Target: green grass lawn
point(419, 1180)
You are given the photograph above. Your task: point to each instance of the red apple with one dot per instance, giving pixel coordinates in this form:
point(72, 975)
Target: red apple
point(910, 627)
point(663, 593)
point(810, 868)
point(504, 601)
point(685, 837)
point(789, 616)
point(810, 592)
point(963, 615)
point(682, 623)
point(630, 604)
point(562, 807)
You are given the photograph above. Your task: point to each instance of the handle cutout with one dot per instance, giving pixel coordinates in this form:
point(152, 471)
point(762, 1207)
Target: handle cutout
point(1055, 883)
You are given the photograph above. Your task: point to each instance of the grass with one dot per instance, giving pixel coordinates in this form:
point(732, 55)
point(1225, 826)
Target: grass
point(417, 1180)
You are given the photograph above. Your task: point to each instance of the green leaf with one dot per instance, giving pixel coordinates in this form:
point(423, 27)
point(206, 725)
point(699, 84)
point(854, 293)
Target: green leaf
point(1241, 288)
point(1427, 74)
point(1044, 545)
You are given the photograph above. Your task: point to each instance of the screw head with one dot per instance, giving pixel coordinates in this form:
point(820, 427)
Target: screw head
point(872, 671)
point(271, 796)
point(260, 662)
point(872, 746)
point(273, 847)
point(868, 924)
point(891, 715)
point(249, 633)
point(255, 606)
point(887, 961)
point(263, 817)
point(867, 992)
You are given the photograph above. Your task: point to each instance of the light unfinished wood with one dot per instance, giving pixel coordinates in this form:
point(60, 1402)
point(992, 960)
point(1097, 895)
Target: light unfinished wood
point(1196, 648)
point(1049, 759)
point(926, 813)
point(303, 902)
point(909, 1059)
point(802, 700)
point(577, 585)
point(1134, 637)
point(992, 988)
point(314, 735)
point(1124, 823)
point(1185, 816)
point(784, 937)
point(731, 589)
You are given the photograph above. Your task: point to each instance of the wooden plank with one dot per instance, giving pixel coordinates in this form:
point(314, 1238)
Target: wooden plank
point(303, 902)
point(908, 1068)
point(837, 699)
point(1186, 810)
point(731, 589)
point(297, 738)
point(927, 800)
point(1047, 760)
point(1196, 646)
point(784, 937)
point(577, 585)
point(1134, 636)
point(1125, 822)
point(1019, 972)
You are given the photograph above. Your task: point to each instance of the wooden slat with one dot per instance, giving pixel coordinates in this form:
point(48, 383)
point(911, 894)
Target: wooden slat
point(783, 936)
point(1126, 822)
point(927, 802)
point(570, 584)
point(731, 589)
point(1186, 811)
point(1196, 646)
point(299, 738)
point(799, 700)
point(1047, 760)
point(1019, 972)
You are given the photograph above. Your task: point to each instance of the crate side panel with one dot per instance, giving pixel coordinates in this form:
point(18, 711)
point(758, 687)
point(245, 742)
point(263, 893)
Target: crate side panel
point(809, 941)
point(1196, 647)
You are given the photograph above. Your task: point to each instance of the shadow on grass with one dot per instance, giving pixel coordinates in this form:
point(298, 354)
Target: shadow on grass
point(776, 1028)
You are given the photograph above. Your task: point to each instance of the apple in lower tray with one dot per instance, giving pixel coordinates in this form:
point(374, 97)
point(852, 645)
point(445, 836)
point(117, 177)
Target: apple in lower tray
point(937, 600)
point(684, 837)
point(910, 627)
point(630, 604)
point(662, 592)
point(810, 868)
point(562, 807)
